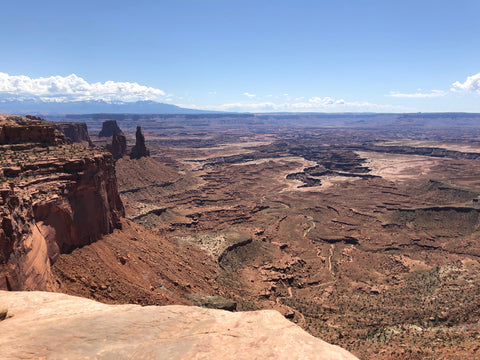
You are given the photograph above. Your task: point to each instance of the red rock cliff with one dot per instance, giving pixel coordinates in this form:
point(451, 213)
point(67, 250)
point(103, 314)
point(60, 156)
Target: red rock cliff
point(18, 129)
point(52, 200)
point(75, 132)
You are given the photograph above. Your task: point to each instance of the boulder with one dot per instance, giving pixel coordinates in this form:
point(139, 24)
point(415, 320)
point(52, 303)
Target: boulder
point(213, 302)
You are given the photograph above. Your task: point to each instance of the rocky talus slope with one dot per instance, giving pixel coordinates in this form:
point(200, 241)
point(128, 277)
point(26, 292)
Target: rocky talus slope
point(48, 325)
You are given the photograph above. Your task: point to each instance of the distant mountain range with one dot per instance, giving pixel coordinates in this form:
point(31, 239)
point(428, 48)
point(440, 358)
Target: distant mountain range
point(22, 107)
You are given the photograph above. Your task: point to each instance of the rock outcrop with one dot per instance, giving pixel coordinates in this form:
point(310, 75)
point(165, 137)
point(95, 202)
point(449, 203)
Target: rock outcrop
point(118, 147)
point(213, 302)
point(139, 150)
point(49, 325)
point(53, 199)
point(19, 129)
point(110, 127)
point(75, 133)
point(73, 204)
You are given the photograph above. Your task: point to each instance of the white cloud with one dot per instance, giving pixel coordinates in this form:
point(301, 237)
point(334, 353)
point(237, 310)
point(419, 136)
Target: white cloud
point(249, 95)
point(471, 84)
point(314, 104)
point(212, 93)
point(431, 94)
point(74, 88)
point(326, 101)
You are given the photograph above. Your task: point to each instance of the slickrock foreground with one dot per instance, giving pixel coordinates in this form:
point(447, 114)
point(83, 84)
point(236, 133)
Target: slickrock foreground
point(58, 326)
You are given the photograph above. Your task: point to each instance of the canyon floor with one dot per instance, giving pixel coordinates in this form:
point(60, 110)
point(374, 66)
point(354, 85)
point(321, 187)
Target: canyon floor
point(368, 239)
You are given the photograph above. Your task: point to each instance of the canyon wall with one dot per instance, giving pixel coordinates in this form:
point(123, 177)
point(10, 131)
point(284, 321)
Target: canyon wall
point(75, 132)
point(18, 129)
point(53, 200)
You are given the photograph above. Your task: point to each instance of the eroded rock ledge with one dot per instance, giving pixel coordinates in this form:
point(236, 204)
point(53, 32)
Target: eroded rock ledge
point(51, 325)
point(53, 199)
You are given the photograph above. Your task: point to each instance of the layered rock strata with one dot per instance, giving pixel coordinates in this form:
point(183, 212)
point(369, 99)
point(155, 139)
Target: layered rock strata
point(19, 129)
point(53, 199)
point(68, 204)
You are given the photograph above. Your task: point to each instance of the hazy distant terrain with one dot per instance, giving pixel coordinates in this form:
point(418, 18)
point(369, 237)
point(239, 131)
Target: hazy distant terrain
point(91, 106)
point(418, 123)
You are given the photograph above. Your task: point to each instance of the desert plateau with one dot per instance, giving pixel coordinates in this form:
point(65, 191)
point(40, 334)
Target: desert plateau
point(364, 236)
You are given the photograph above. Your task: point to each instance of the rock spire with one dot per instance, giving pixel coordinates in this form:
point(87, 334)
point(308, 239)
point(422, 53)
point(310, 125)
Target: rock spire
point(139, 150)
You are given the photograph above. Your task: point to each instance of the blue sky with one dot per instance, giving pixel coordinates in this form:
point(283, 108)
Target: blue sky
point(323, 55)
